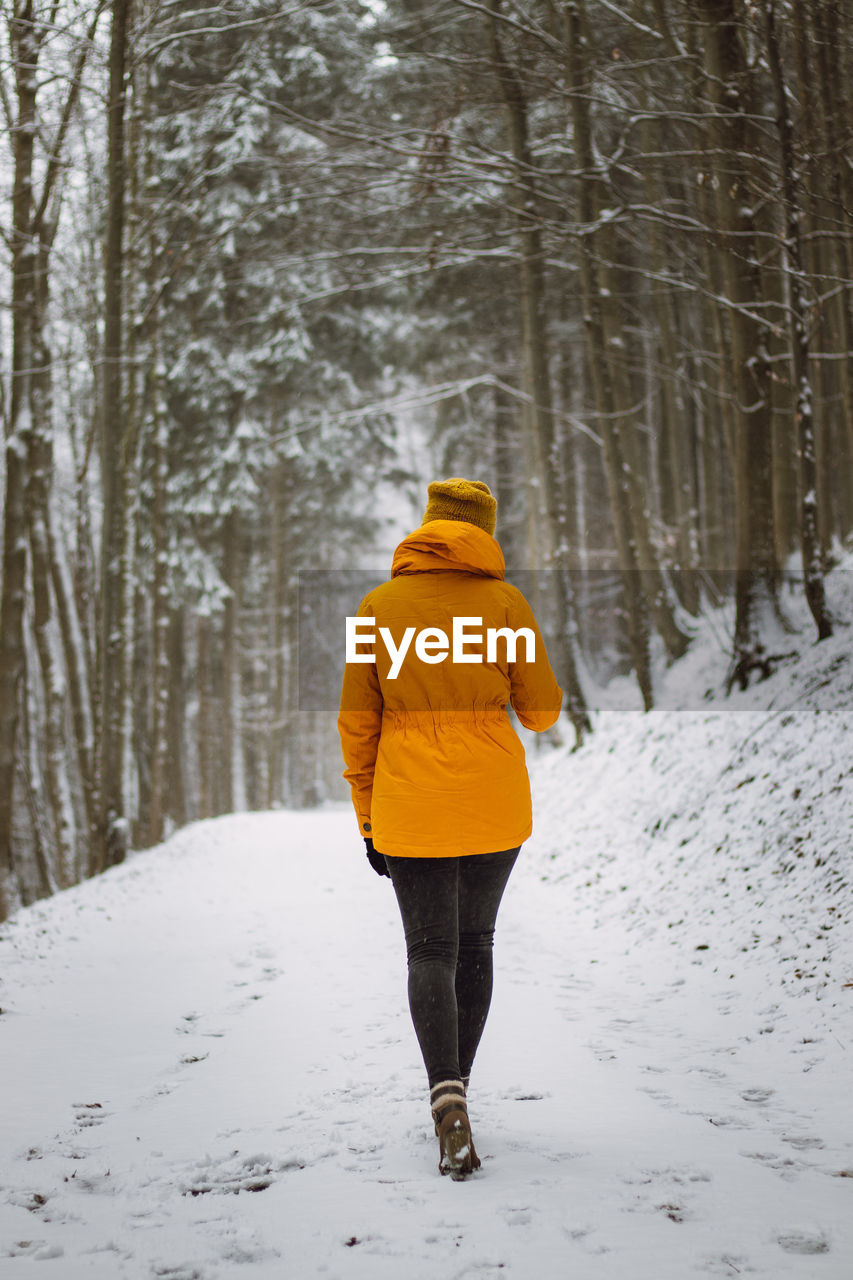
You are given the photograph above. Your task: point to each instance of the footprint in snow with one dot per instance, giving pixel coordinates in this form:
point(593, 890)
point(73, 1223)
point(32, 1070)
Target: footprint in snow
point(520, 1216)
point(159, 1091)
point(249, 1249)
point(264, 953)
point(659, 1096)
point(582, 1236)
point(726, 1265)
point(519, 1096)
point(189, 1058)
point(269, 973)
point(757, 1094)
point(88, 1115)
point(669, 1191)
point(231, 1176)
point(602, 1052)
point(240, 1005)
point(188, 1027)
point(38, 1250)
point(483, 1271)
point(35, 1202)
point(721, 1121)
point(712, 1073)
point(802, 1242)
point(183, 1271)
point(802, 1142)
point(673, 1210)
point(98, 1184)
point(366, 1158)
point(783, 1165)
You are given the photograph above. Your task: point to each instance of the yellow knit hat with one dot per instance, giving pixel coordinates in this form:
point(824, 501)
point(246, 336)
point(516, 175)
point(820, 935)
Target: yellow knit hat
point(468, 500)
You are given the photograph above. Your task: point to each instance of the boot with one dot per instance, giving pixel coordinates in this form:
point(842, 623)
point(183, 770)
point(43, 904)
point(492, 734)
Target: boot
point(457, 1155)
point(447, 1087)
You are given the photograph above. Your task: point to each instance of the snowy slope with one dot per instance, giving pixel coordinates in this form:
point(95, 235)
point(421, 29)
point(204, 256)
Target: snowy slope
point(727, 828)
point(209, 1071)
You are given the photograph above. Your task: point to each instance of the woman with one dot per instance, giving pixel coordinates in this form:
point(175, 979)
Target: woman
point(437, 772)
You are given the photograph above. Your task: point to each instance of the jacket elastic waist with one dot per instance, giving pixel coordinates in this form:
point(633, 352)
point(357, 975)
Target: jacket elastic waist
point(432, 716)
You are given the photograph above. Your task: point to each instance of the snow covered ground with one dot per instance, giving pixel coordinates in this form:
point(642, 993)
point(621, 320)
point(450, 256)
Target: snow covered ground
point(209, 1070)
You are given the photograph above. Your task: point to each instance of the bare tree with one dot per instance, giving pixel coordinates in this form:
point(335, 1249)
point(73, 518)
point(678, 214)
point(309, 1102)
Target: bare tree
point(799, 339)
point(114, 439)
point(756, 571)
point(25, 52)
point(535, 352)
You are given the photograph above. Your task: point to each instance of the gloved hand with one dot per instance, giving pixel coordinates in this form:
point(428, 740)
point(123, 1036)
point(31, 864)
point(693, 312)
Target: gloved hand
point(375, 859)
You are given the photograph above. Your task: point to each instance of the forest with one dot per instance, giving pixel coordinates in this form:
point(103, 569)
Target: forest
point(269, 266)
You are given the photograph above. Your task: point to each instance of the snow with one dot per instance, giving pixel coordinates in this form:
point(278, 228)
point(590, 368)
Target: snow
point(209, 1069)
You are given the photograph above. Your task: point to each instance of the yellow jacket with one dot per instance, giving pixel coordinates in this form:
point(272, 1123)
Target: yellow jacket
point(435, 766)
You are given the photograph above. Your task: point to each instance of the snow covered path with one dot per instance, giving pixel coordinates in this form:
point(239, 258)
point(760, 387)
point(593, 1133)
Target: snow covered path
point(209, 1071)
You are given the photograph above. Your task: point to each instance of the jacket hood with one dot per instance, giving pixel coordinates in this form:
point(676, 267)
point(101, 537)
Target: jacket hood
point(449, 544)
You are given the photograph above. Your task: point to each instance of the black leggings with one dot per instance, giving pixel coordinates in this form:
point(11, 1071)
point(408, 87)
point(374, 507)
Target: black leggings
point(449, 907)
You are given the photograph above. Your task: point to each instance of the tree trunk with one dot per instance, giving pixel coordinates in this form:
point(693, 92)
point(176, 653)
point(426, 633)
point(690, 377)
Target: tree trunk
point(294, 716)
point(593, 305)
point(535, 349)
point(136, 676)
point(674, 430)
point(277, 690)
point(205, 718)
point(82, 566)
point(115, 569)
point(568, 445)
point(832, 98)
point(36, 877)
point(798, 324)
point(720, 330)
point(38, 513)
point(506, 469)
point(18, 442)
point(819, 235)
point(77, 674)
point(756, 572)
point(660, 607)
point(598, 246)
point(232, 795)
point(161, 613)
point(176, 805)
